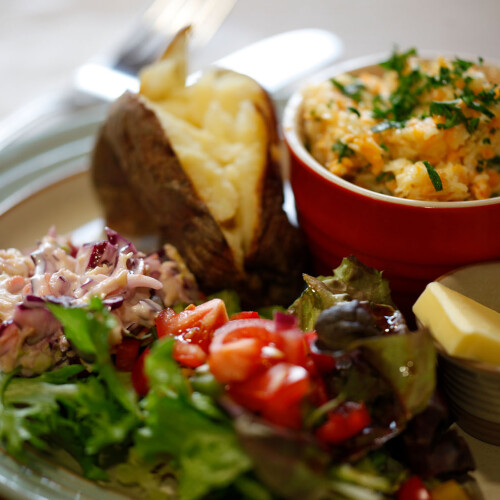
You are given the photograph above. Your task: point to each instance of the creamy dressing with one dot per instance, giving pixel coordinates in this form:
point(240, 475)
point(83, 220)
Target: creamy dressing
point(135, 287)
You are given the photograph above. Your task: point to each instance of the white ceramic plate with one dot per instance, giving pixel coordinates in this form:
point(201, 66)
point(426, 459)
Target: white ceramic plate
point(43, 183)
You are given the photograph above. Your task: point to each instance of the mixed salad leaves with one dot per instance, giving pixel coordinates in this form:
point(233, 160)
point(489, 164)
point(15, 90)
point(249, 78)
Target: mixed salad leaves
point(335, 398)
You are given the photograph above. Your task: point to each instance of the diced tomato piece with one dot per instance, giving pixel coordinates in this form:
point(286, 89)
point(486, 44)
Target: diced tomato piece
point(237, 362)
point(138, 376)
point(187, 354)
point(193, 328)
point(195, 323)
point(276, 393)
point(164, 322)
point(127, 353)
point(245, 315)
point(292, 343)
point(236, 349)
point(413, 489)
point(347, 421)
point(323, 362)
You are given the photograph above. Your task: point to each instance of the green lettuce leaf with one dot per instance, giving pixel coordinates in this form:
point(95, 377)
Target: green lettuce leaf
point(88, 330)
point(407, 362)
point(351, 280)
point(83, 416)
point(188, 427)
point(360, 282)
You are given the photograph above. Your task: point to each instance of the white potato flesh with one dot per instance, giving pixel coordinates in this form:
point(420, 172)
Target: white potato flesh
point(221, 140)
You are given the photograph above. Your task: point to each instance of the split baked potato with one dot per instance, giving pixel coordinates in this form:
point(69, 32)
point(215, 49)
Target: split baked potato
point(199, 164)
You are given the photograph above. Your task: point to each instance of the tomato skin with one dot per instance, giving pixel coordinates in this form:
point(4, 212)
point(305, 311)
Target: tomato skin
point(276, 393)
point(292, 343)
point(236, 349)
point(245, 315)
point(347, 421)
point(413, 489)
point(126, 354)
point(138, 375)
point(187, 354)
point(276, 345)
point(193, 329)
point(323, 362)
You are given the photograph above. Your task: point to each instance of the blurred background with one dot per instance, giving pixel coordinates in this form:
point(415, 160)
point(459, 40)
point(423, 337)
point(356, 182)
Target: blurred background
point(43, 41)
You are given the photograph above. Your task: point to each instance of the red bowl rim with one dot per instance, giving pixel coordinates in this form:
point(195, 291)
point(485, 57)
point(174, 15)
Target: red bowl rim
point(293, 139)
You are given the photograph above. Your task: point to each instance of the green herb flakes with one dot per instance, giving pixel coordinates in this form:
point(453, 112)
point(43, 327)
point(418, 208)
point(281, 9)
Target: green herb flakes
point(385, 177)
point(354, 110)
point(352, 90)
point(386, 125)
point(434, 176)
point(343, 150)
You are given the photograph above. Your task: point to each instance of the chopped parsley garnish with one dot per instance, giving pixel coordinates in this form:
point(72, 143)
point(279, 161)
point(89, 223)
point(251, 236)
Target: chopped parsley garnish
point(384, 147)
point(444, 77)
point(352, 90)
point(397, 61)
point(453, 115)
point(385, 177)
point(403, 100)
point(412, 83)
point(343, 150)
point(386, 125)
point(494, 163)
point(354, 110)
point(314, 115)
point(477, 102)
point(460, 66)
point(434, 176)
point(486, 140)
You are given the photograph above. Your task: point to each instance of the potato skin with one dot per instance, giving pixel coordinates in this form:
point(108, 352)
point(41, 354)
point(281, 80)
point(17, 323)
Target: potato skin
point(124, 211)
point(133, 154)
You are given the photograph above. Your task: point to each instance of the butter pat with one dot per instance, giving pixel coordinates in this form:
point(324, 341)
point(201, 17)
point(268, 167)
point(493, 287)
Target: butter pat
point(465, 328)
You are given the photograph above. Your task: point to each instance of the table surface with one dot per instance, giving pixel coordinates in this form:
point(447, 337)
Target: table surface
point(42, 42)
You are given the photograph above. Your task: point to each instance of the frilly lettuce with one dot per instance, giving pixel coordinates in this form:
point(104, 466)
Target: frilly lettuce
point(351, 280)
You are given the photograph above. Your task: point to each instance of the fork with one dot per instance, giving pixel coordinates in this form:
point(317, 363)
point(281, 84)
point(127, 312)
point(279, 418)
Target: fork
point(106, 76)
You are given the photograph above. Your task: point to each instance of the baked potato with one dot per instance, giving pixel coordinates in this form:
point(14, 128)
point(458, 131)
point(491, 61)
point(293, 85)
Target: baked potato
point(199, 164)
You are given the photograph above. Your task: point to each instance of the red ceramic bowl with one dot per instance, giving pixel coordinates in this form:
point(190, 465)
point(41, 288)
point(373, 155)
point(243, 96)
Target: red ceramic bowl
point(413, 242)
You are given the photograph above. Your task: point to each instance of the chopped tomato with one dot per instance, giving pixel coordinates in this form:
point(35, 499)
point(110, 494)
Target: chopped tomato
point(292, 343)
point(236, 349)
point(243, 346)
point(245, 315)
point(323, 362)
point(126, 354)
point(187, 354)
point(413, 489)
point(276, 393)
point(347, 421)
point(138, 376)
point(193, 328)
